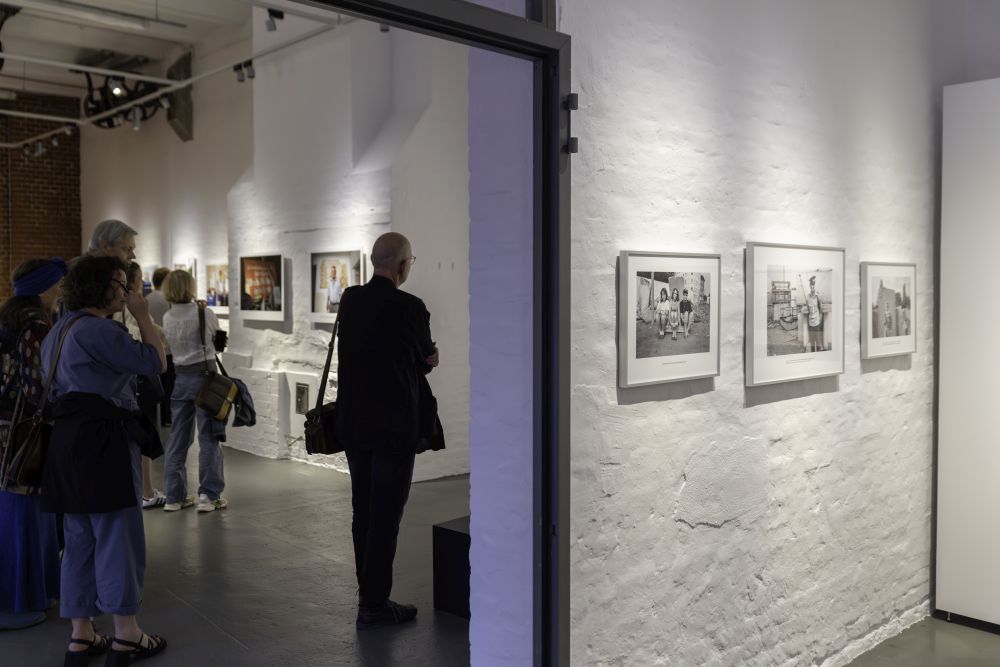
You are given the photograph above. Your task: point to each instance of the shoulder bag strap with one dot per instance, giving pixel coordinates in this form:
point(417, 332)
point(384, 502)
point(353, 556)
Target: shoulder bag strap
point(201, 334)
point(326, 369)
point(222, 368)
point(47, 387)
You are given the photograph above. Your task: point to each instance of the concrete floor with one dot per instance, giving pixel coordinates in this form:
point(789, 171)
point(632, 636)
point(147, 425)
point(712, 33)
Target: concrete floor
point(270, 580)
point(935, 643)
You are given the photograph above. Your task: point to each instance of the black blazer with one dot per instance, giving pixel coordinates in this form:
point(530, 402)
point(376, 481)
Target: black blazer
point(384, 341)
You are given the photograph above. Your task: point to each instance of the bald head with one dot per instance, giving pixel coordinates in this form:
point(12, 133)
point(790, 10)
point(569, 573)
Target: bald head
point(390, 250)
point(392, 257)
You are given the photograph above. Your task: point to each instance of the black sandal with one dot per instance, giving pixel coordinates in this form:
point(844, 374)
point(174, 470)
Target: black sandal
point(99, 645)
point(153, 645)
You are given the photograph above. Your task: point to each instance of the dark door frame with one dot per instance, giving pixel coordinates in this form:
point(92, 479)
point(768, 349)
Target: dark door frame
point(535, 39)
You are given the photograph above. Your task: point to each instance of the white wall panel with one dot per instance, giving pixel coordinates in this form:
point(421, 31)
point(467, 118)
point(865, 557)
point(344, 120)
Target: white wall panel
point(968, 533)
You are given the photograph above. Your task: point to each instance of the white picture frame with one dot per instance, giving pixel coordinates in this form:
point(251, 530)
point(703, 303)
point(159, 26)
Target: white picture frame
point(888, 309)
point(794, 313)
point(647, 355)
point(262, 287)
point(356, 264)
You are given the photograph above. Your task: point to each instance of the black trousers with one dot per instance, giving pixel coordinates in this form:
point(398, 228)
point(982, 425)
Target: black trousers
point(380, 486)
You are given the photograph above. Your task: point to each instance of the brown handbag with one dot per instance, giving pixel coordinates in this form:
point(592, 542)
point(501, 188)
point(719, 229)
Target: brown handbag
point(28, 438)
point(321, 437)
point(217, 392)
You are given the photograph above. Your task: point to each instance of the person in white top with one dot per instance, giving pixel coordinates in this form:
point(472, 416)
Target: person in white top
point(158, 305)
point(182, 326)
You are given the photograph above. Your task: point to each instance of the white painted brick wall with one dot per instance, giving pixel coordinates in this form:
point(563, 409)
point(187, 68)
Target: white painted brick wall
point(712, 525)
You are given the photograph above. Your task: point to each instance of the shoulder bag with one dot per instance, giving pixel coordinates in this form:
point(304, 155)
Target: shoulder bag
point(321, 421)
point(28, 438)
point(217, 392)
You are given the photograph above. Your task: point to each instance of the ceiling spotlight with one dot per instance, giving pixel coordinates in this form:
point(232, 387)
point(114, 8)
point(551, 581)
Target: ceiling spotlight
point(68, 131)
point(165, 102)
point(248, 66)
point(273, 16)
point(116, 120)
point(117, 86)
point(240, 76)
point(136, 119)
point(55, 141)
point(39, 149)
point(26, 150)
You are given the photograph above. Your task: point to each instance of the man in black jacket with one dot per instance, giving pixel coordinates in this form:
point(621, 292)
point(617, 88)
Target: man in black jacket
point(385, 348)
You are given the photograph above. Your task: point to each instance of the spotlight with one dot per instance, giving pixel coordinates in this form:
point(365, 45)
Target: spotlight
point(117, 87)
point(27, 151)
point(55, 141)
point(273, 16)
point(165, 102)
point(248, 67)
point(68, 131)
point(240, 76)
point(136, 119)
point(116, 120)
point(39, 149)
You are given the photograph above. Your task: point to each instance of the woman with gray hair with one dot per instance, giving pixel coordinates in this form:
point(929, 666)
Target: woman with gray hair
point(113, 238)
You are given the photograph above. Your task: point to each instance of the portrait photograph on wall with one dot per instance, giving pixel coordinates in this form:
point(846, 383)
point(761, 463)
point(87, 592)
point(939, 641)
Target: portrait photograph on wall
point(332, 273)
point(217, 285)
point(794, 312)
point(261, 287)
point(888, 297)
point(668, 325)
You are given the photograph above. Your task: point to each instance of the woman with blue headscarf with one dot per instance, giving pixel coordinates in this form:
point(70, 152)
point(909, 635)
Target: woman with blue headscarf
point(29, 546)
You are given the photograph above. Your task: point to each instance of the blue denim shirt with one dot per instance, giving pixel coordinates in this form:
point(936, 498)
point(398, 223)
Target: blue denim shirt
point(98, 357)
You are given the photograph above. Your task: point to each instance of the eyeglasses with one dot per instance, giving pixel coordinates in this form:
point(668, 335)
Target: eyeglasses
point(411, 260)
point(122, 285)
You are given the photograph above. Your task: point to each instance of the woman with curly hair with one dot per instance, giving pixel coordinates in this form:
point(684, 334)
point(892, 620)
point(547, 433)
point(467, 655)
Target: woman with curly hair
point(29, 545)
point(93, 473)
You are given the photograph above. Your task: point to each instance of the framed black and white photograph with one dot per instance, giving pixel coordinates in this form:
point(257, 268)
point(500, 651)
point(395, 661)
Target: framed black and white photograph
point(332, 273)
point(668, 322)
point(794, 313)
point(262, 281)
point(888, 297)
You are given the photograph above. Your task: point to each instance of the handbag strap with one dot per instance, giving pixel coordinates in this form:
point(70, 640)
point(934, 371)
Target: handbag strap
point(201, 334)
point(55, 362)
point(222, 368)
point(326, 368)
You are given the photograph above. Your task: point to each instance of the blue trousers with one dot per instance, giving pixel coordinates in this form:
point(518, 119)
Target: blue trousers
point(104, 562)
point(211, 481)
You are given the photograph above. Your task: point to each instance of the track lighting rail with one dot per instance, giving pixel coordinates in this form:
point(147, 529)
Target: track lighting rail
point(169, 85)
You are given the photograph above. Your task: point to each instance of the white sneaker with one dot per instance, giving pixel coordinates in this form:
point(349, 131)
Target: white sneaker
point(184, 504)
point(205, 504)
point(158, 500)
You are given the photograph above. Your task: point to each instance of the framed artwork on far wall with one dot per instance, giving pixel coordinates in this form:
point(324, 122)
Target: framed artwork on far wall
point(217, 287)
point(794, 313)
point(668, 317)
point(888, 307)
point(262, 283)
point(332, 273)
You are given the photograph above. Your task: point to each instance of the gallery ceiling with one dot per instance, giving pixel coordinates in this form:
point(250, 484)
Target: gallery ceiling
point(131, 35)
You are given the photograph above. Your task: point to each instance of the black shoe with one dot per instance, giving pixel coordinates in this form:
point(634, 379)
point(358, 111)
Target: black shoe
point(387, 613)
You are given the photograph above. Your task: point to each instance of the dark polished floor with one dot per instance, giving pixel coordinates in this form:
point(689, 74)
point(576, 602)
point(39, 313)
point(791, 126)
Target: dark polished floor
point(935, 643)
point(270, 580)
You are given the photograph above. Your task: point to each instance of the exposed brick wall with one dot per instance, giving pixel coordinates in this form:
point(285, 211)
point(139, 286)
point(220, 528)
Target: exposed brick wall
point(39, 196)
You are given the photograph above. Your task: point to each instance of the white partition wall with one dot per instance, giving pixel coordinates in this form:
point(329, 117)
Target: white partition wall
point(968, 519)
